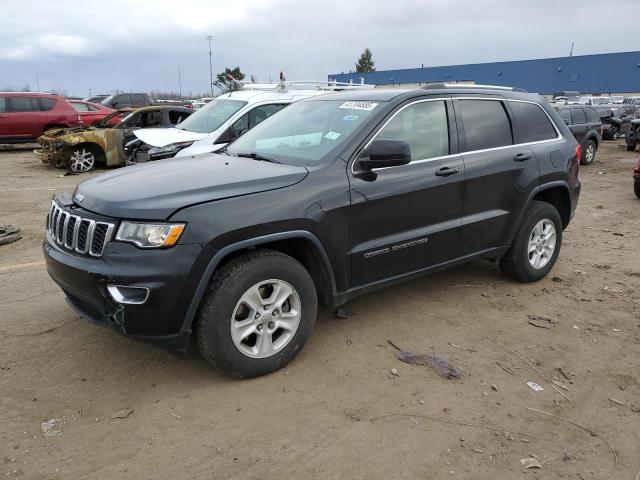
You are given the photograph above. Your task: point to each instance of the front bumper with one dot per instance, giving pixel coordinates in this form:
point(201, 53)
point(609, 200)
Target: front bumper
point(166, 273)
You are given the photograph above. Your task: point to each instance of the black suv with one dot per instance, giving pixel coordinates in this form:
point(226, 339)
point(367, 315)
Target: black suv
point(332, 197)
point(584, 122)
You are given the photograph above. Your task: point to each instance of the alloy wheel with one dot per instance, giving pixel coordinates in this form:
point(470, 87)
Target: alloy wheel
point(82, 160)
point(542, 243)
point(590, 153)
point(265, 318)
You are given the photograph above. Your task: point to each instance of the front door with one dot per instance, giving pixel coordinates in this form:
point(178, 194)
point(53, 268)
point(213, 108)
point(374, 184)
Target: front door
point(408, 217)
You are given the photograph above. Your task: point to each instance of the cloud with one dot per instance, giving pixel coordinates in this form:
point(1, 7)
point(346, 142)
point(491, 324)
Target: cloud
point(64, 45)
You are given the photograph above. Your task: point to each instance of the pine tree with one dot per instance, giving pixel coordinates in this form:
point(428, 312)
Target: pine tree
point(365, 63)
point(224, 80)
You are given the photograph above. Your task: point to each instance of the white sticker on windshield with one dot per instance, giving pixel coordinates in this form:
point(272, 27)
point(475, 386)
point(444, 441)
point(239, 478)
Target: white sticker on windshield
point(332, 135)
point(359, 105)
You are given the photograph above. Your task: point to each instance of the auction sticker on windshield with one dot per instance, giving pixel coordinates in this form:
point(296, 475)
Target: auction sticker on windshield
point(359, 105)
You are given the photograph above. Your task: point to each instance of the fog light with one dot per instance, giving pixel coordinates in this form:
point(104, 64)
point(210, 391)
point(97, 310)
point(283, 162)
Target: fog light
point(128, 295)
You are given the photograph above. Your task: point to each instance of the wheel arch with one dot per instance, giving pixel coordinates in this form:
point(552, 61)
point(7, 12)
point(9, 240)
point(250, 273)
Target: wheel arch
point(302, 245)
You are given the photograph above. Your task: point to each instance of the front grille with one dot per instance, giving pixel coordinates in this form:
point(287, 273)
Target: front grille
point(78, 234)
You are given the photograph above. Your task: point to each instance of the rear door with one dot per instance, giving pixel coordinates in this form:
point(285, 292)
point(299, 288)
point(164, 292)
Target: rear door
point(500, 170)
point(408, 218)
point(580, 126)
point(26, 117)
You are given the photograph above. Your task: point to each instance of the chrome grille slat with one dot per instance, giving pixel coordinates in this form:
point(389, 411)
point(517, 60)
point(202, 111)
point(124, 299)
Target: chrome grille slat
point(76, 233)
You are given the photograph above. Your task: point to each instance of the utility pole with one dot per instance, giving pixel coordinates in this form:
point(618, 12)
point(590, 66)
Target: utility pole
point(180, 82)
point(571, 52)
point(210, 37)
point(38, 83)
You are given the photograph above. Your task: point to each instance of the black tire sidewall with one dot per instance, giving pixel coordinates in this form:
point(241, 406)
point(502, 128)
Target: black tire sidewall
point(583, 160)
point(214, 329)
point(538, 212)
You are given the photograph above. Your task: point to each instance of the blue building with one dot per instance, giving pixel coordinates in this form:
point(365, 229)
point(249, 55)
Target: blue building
point(601, 73)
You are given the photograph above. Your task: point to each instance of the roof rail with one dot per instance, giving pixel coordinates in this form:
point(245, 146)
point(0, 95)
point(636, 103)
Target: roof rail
point(322, 85)
point(472, 85)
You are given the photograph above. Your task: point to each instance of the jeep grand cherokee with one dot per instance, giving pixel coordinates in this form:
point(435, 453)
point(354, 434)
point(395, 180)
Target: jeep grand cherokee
point(332, 197)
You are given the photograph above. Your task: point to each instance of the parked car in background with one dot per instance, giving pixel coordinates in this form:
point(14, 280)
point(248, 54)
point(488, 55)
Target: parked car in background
point(24, 116)
point(230, 115)
point(636, 178)
point(617, 99)
point(331, 198)
point(93, 112)
point(566, 96)
point(96, 98)
point(80, 149)
point(632, 137)
point(584, 123)
point(127, 100)
point(616, 119)
point(589, 100)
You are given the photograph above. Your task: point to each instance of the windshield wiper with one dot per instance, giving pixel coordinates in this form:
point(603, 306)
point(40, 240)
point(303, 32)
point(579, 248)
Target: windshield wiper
point(256, 156)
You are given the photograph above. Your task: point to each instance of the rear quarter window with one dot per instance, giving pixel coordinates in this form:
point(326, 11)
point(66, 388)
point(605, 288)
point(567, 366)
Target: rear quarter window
point(486, 124)
point(47, 103)
point(533, 122)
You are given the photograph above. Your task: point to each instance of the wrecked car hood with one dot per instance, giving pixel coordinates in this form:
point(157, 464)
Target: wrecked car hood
point(154, 191)
point(161, 137)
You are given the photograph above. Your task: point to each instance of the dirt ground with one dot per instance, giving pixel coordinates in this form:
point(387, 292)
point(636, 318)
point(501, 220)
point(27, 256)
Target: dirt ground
point(62, 378)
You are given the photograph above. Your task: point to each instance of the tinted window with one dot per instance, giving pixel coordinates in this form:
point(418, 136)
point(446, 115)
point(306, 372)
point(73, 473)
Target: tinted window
point(123, 100)
point(424, 126)
point(486, 124)
point(47, 103)
point(240, 126)
point(3, 104)
point(578, 116)
point(262, 112)
point(153, 119)
point(592, 115)
point(176, 117)
point(565, 114)
point(139, 99)
point(24, 104)
point(533, 123)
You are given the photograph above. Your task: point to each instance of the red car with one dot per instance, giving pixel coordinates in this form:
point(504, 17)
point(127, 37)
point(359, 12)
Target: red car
point(93, 112)
point(636, 178)
point(24, 116)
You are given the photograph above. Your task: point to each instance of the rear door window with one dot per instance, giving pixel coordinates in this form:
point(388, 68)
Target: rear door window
point(486, 124)
point(47, 103)
point(533, 123)
point(423, 126)
point(3, 105)
point(139, 99)
point(124, 100)
point(579, 116)
point(24, 104)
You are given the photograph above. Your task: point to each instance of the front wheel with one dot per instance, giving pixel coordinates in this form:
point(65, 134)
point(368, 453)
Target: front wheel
point(589, 153)
point(257, 314)
point(83, 158)
point(536, 245)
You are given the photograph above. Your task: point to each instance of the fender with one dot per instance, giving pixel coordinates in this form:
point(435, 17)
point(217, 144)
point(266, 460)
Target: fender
point(251, 242)
point(532, 194)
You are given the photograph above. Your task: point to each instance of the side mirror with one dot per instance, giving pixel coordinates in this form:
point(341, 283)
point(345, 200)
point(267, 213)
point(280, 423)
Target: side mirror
point(385, 153)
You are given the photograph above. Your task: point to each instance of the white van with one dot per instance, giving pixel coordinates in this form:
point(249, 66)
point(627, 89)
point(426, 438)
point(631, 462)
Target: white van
point(228, 116)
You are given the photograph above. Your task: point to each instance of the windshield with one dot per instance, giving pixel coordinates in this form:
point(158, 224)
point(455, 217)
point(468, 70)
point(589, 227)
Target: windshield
point(305, 132)
point(211, 117)
point(600, 100)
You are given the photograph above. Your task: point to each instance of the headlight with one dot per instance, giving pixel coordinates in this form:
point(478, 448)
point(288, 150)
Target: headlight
point(168, 151)
point(150, 235)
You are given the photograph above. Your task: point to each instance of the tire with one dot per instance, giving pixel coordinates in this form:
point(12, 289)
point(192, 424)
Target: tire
point(611, 133)
point(516, 262)
point(589, 153)
point(636, 186)
point(631, 148)
point(263, 273)
point(84, 158)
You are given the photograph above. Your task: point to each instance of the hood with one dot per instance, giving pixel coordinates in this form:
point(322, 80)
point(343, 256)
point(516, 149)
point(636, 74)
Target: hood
point(161, 137)
point(205, 145)
point(155, 190)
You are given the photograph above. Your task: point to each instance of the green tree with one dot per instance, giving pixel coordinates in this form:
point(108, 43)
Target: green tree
point(365, 63)
point(225, 80)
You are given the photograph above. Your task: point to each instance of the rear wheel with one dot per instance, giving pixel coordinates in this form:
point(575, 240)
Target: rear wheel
point(589, 153)
point(636, 186)
point(611, 133)
point(536, 245)
point(257, 314)
point(631, 148)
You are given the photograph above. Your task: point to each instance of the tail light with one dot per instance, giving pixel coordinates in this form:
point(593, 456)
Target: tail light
point(578, 154)
point(636, 171)
point(79, 118)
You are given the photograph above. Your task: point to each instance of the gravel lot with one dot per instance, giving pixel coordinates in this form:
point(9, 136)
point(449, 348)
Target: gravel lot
point(62, 378)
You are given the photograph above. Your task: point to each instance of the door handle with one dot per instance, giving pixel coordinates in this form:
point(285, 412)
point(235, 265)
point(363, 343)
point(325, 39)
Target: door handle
point(521, 157)
point(446, 171)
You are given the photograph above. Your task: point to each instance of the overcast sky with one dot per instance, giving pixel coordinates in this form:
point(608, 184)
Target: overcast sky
point(138, 45)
